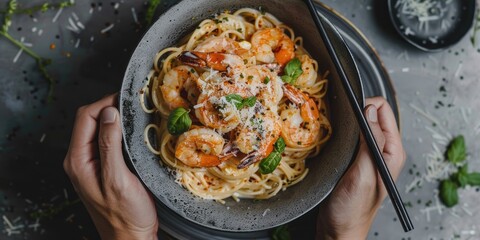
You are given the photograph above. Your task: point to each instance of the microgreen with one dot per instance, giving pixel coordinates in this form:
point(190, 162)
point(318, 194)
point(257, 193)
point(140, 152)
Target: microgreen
point(152, 7)
point(42, 63)
point(241, 102)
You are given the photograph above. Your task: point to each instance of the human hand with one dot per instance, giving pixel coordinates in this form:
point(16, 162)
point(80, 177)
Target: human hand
point(351, 207)
point(118, 203)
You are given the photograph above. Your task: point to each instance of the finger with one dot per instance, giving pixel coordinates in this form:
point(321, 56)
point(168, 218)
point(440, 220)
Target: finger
point(114, 169)
point(84, 129)
point(393, 151)
point(371, 113)
point(365, 164)
point(386, 118)
point(79, 163)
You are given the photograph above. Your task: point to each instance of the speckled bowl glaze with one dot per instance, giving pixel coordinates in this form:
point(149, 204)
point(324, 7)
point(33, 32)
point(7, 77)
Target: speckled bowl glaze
point(325, 170)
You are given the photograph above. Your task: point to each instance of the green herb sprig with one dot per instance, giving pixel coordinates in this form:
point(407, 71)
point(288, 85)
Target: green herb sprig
point(292, 71)
point(456, 154)
point(152, 7)
point(241, 102)
point(270, 163)
point(281, 233)
point(42, 63)
point(476, 28)
point(7, 21)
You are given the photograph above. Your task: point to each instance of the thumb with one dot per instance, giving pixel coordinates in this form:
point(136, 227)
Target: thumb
point(110, 144)
point(371, 113)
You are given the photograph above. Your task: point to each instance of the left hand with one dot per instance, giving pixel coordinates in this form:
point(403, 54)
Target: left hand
point(116, 200)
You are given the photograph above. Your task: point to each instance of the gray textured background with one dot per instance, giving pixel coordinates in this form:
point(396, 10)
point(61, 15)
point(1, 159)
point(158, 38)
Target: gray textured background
point(31, 174)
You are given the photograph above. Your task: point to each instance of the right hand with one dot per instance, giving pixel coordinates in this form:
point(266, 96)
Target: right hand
point(351, 208)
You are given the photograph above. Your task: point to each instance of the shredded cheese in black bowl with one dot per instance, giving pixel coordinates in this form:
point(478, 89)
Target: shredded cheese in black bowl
point(432, 25)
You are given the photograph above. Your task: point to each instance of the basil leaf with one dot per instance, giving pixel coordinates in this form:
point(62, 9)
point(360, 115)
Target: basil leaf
point(250, 101)
point(281, 233)
point(270, 163)
point(473, 179)
point(235, 99)
point(448, 193)
point(279, 145)
point(456, 151)
point(287, 79)
point(297, 73)
point(293, 66)
point(463, 169)
point(178, 121)
point(460, 178)
point(292, 71)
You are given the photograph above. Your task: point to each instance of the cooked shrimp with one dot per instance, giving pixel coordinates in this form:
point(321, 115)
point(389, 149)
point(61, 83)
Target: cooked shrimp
point(179, 80)
point(256, 138)
point(223, 45)
point(309, 76)
point(214, 111)
point(273, 92)
point(214, 60)
point(273, 45)
point(253, 78)
point(301, 120)
point(200, 147)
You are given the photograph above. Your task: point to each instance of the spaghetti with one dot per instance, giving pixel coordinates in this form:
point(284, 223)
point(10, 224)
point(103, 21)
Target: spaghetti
point(249, 86)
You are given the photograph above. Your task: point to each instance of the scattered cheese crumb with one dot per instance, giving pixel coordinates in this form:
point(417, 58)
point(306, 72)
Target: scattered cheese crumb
point(57, 15)
point(107, 28)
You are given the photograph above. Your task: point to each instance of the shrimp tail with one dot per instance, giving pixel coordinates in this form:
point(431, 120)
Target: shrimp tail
point(228, 151)
point(294, 95)
point(248, 160)
point(192, 59)
point(200, 59)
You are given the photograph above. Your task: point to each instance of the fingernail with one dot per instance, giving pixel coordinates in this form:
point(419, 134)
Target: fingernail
point(372, 114)
point(109, 115)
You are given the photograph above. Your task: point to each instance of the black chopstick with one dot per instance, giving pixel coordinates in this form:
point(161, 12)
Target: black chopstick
point(367, 132)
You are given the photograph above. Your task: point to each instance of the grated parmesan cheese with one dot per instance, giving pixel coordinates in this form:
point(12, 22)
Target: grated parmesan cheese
point(265, 212)
point(57, 15)
point(107, 28)
point(134, 15)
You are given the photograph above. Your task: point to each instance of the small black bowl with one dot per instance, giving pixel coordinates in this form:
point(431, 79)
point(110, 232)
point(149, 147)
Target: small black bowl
point(434, 26)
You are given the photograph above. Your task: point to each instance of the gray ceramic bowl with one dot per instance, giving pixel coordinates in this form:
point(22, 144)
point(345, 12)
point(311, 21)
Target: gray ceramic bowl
point(246, 215)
